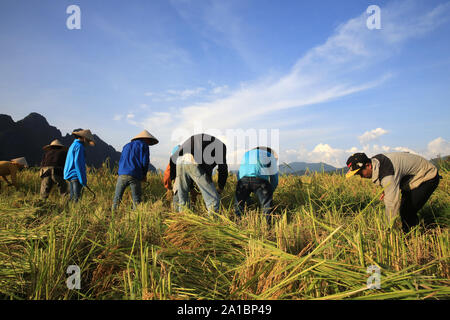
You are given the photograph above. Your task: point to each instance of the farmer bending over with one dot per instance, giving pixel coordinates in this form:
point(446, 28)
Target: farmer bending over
point(10, 168)
point(399, 172)
point(195, 161)
point(133, 167)
point(52, 166)
point(258, 173)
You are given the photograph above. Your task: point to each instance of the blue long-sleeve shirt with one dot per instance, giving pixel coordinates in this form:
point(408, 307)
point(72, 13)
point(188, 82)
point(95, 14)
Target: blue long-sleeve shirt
point(259, 163)
point(75, 165)
point(135, 159)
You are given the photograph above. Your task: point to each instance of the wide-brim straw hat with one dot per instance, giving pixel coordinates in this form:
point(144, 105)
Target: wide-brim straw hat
point(21, 161)
point(85, 134)
point(54, 143)
point(146, 135)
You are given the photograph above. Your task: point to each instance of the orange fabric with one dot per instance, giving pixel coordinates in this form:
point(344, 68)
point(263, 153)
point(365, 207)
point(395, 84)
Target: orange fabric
point(167, 181)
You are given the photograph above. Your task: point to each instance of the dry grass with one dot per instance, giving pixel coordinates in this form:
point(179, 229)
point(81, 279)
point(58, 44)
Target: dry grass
point(326, 232)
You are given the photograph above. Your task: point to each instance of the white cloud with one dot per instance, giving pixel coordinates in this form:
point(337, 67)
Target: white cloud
point(336, 157)
point(438, 147)
point(332, 70)
point(326, 72)
point(371, 135)
point(325, 153)
point(322, 152)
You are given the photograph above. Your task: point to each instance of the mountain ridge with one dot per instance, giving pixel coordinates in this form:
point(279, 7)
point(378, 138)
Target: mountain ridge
point(26, 137)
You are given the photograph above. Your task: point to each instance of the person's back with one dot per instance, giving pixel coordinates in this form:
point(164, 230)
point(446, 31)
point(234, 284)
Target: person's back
point(133, 167)
point(259, 163)
point(194, 162)
point(52, 166)
point(75, 165)
point(208, 152)
point(134, 160)
point(258, 173)
point(54, 158)
point(409, 170)
point(6, 168)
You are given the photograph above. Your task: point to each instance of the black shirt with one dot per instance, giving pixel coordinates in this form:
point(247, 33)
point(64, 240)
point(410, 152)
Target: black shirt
point(54, 158)
point(208, 151)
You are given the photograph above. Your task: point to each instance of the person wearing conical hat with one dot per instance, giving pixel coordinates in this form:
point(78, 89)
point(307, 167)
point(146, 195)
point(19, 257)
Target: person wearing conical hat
point(75, 165)
point(133, 167)
point(10, 168)
point(52, 166)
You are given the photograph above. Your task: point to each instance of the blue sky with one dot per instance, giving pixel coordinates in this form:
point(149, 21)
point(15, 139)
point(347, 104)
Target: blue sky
point(310, 70)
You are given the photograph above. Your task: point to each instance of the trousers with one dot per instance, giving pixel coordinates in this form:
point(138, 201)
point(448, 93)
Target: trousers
point(261, 187)
point(413, 200)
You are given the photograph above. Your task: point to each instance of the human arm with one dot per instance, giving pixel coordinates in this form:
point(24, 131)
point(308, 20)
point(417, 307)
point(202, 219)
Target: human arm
point(80, 165)
point(223, 176)
point(145, 160)
point(391, 197)
point(274, 181)
point(166, 180)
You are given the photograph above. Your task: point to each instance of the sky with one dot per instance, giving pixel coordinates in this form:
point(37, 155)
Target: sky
point(313, 79)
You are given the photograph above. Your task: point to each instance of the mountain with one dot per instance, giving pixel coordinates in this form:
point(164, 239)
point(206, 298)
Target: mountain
point(300, 168)
point(442, 163)
point(26, 137)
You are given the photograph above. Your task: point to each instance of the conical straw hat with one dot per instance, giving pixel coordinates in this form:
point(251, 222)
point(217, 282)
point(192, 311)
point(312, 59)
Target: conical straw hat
point(54, 143)
point(146, 135)
point(21, 161)
point(85, 134)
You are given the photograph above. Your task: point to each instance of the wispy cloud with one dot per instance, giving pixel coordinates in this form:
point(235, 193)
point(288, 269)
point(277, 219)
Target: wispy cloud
point(329, 71)
point(346, 63)
point(220, 23)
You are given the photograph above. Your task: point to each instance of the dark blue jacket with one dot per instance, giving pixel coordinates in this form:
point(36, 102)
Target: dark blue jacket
point(135, 159)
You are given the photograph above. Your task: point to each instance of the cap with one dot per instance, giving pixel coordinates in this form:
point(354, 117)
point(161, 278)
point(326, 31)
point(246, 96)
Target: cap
point(355, 163)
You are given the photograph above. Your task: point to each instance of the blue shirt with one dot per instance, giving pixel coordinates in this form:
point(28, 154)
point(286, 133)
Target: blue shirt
point(135, 159)
point(75, 165)
point(261, 164)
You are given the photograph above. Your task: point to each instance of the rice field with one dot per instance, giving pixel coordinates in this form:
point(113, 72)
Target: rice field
point(326, 232)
